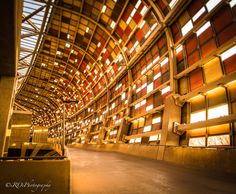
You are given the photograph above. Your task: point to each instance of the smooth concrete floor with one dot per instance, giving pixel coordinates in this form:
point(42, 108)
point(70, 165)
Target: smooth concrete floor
point(115, 173)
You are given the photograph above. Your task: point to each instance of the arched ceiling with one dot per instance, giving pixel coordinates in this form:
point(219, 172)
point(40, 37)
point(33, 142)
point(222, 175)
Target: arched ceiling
point(84, 45)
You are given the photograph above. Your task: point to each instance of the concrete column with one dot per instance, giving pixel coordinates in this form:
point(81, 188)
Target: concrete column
point(172, 113)
point(7, 85)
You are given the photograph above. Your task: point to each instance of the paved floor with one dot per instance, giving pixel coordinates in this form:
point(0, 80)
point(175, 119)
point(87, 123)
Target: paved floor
point(114, 173)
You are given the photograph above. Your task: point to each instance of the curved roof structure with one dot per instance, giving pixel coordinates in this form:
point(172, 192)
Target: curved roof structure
point(85, 45)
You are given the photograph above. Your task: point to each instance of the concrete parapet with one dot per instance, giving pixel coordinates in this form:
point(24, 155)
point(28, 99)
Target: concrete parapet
point(216, 159)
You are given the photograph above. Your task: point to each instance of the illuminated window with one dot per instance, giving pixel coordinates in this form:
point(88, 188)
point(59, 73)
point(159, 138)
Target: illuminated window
point(155, 60)
point(138, 3)
point(150, 87)
point(148, 33)
point(165, 90)
point(143, 102)
point(203, 28)
point(104, 8)
point(137, 105)
point(113, 132)
point(187, 27)
point(43, 64)
point(232, 3)
point(144, 86)
point(197, 142)
point(107, 61)
point(143, 71)
point(143, 11)
point(218, 140)
point(157, 76)
point(138, 140)
point(198, 116)
point(228, 53)
point(150, 107)
point(218, 111)
point(211, 4)
point(142, 24)
point(123, 96)
point(135, 45)
point(113, 24)
point(113, 105)
point(58, 52)
point(156, 120)
point(67, 45)
point(179, 49)
point(131, 140)
point(173, 3)
point(128, 21)
point(147, 128)
point(199, 13)
point(153, 138)
point(164, 61)
point(55, 63)
point(87, 29)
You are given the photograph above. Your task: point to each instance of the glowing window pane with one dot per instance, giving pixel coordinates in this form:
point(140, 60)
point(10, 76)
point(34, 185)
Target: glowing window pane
point(138, 140)
point(211, 4)
point(173, 3)
point(199, 13)
point(179, 49)
point(157, 76)
point(228, 53)
point(203, 28)
point(150, 87)
point(156, 120)
point(197, 141)
point(123, 96)
point(104, 8)
point(165, 90)
point(199, 116)
point(143, 102)
point(137, 105)
point(187, 27)
point(153, 138)
point(232, 3)
point(164, 61)
point(131, 140)
point(218, 140)
point(218, 111)
point(150, 107)
point(147, 128)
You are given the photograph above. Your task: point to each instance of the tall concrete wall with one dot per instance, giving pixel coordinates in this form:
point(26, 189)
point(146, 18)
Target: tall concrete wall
point(44, 176)
point(223, 160)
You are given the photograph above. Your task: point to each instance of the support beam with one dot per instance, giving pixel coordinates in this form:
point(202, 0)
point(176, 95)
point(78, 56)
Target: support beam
point(33, 13)
point(172, 113)
point(212, 122)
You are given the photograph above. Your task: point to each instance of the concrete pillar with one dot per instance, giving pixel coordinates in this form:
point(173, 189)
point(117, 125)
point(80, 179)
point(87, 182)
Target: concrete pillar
point(7, 85)
point(172, 113)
